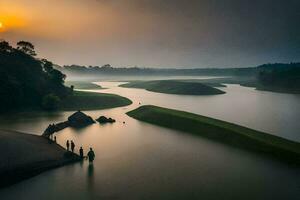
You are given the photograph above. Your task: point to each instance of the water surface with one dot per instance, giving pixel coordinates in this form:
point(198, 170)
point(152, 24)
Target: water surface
point(136, 160)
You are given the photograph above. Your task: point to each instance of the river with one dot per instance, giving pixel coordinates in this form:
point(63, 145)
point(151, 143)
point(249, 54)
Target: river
point(137, 160)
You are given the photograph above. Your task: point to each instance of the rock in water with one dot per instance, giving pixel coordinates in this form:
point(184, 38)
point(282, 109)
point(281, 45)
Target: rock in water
point(79, 120)
point(103, 120)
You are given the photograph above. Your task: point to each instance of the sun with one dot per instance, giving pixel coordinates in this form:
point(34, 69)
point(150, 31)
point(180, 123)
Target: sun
point(1, 25)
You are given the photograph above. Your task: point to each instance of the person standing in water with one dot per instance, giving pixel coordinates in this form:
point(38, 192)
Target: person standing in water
point(72, 146)
point(91, 155)
point(81, 152)
point(68, 145)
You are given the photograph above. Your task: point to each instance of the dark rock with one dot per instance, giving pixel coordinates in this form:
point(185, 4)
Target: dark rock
point(79, 120)
point(103, 120)
point(61, 125)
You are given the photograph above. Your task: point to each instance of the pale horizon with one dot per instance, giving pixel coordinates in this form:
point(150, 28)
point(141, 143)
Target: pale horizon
point(160, 34)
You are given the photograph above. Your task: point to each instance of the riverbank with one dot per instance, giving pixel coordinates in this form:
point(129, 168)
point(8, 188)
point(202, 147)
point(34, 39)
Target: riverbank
point(25, 155)
point(221, 131)
point(252, 82)
point(175, 87)
point(81, 100)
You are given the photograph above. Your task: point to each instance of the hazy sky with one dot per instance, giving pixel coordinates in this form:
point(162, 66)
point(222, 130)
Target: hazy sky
point(156, 33)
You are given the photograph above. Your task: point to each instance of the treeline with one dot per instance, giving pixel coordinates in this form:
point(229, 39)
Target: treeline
point(280, 76)
point(109, 70)
point(277, 77)
point(285, 69)
point(26, 81)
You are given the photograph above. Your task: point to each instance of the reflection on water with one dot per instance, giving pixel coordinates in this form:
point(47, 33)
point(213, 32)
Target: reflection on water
point(90, 177)
point(136, 160)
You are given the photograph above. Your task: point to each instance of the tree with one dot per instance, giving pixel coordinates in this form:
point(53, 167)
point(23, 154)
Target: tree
point(26, 47)
point(50, 102)
point(55, 75)
point(106, 66)
point(47, 65)
point(4, 46)
point(26, 81)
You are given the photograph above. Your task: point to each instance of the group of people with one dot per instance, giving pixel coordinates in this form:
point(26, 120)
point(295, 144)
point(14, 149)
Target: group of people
point(72, 146)
point(90, 154)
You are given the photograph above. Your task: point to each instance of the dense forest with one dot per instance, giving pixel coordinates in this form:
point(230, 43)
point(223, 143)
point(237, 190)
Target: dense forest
point(28, 82)
point(75, 70)
point(281, 77)
point(286, 69)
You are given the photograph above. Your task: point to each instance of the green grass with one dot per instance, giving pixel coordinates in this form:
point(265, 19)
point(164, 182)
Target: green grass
point(93, 101)
point(220, 130)
point(209, 82)
point(175, 87)
point(83, 85)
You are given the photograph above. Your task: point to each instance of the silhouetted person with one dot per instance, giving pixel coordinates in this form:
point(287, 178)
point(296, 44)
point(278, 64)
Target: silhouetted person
point(68, 145)
point(81, 152)
point(72, 145)
point(91, 155)
point(55, 139)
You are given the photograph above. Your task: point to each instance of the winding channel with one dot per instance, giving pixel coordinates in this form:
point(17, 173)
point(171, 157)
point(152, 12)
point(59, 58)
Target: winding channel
point(136, 160)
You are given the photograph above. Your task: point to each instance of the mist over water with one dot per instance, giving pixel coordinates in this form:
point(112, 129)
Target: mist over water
point(137, 160)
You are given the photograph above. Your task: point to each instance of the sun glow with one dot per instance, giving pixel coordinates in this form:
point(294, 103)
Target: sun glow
point(1, 27)
point(12, 17)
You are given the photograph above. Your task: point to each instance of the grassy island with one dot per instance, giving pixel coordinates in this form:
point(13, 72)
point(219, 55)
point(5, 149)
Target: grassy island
point(221, 131)
point(26, 155)
point(82, 85)
point(175, 87)
point(92, 101)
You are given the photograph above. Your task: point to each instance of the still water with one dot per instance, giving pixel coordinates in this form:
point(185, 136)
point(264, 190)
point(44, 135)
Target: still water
point(136, 160)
